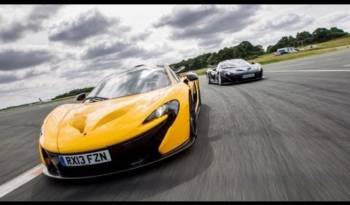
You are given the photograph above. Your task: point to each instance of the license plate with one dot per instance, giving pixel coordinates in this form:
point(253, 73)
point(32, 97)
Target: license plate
point(248, 75)
point(85, 159)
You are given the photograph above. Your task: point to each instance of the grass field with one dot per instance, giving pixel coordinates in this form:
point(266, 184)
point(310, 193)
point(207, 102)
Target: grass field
point(317, 49)
point(36, 103)
point(201, 71)
point(320, 48)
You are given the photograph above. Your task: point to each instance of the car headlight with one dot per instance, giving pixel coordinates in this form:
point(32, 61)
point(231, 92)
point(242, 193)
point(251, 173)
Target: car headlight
point(169, 108)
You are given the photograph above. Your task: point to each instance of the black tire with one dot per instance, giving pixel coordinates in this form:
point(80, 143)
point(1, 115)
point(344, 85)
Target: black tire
point(262, 74)
point(193, 119)
point(199, 96)
point(219, 79)
point(209, 81)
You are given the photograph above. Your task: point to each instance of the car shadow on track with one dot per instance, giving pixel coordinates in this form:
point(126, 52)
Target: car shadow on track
point(243, 82)
point(141, 183)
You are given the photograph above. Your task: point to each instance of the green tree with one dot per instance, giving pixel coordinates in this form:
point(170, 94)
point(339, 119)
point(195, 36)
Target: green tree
point(213, 59)
point(321, 34)
point(246, 50)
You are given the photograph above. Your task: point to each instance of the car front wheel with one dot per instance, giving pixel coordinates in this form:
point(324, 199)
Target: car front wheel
point(219, 79)
point(193, 120)
point(261, 74)
point(209, 81)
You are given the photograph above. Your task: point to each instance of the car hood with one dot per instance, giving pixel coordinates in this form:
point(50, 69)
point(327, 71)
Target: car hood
point(80, 127)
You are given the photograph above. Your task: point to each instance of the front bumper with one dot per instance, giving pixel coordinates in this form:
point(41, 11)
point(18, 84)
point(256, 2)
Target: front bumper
point(135, 153)
point(239, 77)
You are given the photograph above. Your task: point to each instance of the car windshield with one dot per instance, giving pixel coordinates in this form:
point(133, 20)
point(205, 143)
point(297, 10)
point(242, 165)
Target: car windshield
point(234, 64)
point(131, 83)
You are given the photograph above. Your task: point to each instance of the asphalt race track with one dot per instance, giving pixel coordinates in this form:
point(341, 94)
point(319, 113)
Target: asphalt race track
point(286, 137)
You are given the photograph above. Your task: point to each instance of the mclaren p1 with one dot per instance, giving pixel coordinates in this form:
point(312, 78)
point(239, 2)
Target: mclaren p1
point(129, 120)
point(234, 70)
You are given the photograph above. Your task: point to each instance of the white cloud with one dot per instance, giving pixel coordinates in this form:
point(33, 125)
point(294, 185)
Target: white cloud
point(148, 33)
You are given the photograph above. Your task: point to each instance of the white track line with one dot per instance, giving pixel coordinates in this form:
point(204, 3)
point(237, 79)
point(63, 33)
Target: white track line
point(292, 71)
point(20, 180)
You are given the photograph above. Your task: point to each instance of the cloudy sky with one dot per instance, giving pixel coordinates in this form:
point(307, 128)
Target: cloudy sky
point(46, 50)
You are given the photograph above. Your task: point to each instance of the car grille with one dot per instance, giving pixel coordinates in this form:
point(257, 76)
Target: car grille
point(239, 77)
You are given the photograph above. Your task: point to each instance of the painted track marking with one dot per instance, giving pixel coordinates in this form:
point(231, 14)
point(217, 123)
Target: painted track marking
point(292, 71)
point(23, 178)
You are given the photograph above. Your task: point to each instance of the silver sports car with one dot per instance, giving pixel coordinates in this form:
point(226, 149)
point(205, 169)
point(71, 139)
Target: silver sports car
point(234, 70)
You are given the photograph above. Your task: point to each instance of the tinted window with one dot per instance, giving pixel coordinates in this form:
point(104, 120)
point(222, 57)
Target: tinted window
point(130, 83)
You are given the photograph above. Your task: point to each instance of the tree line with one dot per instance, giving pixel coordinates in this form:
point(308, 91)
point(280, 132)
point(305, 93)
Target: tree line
point(247, 50)
point(305, 38)
point(244, 50)
point(74, 92)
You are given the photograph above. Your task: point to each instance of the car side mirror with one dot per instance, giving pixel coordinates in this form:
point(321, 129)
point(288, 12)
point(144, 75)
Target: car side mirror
point(191, 76)
point(81, 97)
